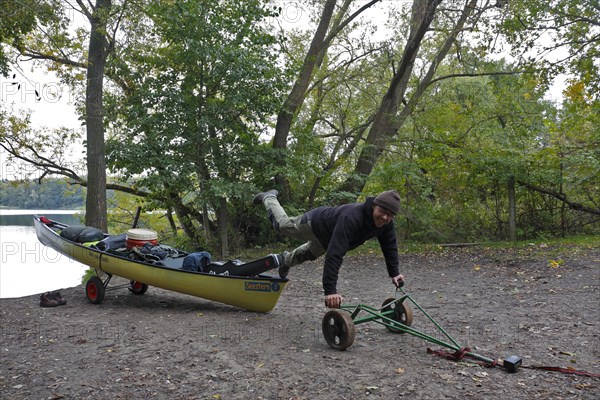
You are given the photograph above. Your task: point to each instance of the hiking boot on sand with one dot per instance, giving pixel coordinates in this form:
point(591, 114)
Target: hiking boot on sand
point(47, 300)
point(284, 268)
point(259, 198)
point(59, 299)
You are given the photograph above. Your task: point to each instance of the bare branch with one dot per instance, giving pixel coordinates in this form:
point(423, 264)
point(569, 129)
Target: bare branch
point(562, 197)
point(36, 55)
point(342, 25)
point(449, 76)
point(85, 10)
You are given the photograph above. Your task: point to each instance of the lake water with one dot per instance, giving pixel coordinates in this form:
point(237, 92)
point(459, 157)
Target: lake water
point(28, 267)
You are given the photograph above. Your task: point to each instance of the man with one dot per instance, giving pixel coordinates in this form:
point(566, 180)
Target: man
point(334, 231)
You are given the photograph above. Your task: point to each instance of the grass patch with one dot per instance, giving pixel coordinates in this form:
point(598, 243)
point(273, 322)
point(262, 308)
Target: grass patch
point(552, 246)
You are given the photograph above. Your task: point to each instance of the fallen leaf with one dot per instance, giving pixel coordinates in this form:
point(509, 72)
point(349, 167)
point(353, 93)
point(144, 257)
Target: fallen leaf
point(446, 377)
point(555, 263)
point(583, 386)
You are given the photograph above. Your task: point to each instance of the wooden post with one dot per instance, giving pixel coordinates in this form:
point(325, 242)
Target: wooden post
point(512, 210)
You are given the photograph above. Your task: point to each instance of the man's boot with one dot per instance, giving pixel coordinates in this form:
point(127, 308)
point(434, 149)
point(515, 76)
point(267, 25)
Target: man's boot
point(259, 198)
point(284, 268)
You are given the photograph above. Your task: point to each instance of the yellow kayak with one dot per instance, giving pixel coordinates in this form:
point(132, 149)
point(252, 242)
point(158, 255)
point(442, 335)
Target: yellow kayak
point(242, 285)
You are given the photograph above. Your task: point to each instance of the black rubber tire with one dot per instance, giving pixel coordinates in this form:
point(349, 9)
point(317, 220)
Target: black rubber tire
point(138, 287)
point(338, 329)
point(403, 314)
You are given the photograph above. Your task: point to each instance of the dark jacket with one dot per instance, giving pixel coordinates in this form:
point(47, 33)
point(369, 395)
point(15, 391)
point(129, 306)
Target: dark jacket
point(346, 227)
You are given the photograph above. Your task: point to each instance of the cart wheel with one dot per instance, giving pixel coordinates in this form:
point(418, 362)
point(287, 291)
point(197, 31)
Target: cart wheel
point(138, 287)
point(94, 289)
point(338, 329)
point(402, 313)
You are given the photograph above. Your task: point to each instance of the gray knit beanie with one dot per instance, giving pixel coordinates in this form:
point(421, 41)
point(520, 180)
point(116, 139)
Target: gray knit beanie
point(390, 200)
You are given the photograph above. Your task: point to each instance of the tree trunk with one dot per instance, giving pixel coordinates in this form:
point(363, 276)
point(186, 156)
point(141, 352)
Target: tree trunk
point(296, 97)
point(384, 123)
point(298, 93)
point(96, 214)
point(563, 214)
point(387, 121)
point(172, 223)
point(182, 214)
point(512, 210)
point(223, 223)
point(312, 61)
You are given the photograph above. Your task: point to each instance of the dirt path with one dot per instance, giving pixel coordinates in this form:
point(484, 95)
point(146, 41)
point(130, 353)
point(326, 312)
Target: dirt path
point(543, 307)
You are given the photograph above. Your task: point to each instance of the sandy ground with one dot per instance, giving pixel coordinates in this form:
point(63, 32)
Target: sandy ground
point(541, 303)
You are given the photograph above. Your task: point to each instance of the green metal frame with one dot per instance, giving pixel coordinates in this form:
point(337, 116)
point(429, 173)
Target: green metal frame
point(382, 317)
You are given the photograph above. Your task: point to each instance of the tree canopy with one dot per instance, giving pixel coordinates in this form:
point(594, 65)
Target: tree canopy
point(208, 102)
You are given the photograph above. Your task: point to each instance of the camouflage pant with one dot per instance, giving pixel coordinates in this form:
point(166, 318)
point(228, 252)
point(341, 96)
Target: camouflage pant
point(294, 228)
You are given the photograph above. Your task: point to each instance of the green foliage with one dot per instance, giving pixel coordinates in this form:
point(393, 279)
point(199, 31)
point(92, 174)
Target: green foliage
point(17, 20)
point(556, 36)
point(453, 163)
point(202, 90)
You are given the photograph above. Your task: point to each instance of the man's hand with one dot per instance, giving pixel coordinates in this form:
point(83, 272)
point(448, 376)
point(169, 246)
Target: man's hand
point(398, 281)
point(333, 300)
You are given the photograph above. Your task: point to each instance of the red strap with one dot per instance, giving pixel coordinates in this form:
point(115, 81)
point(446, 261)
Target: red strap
point(563, 370)
point(456, 356)
point(459, 355)
point(462, 353)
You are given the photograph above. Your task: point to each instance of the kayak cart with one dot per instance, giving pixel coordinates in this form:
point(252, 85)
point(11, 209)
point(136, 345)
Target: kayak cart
point(396, 314)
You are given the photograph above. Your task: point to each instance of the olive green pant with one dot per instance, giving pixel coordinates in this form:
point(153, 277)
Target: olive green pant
point(295, 229)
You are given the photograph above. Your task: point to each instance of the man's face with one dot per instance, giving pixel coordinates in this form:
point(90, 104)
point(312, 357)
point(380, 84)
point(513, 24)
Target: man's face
point(381, 216)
